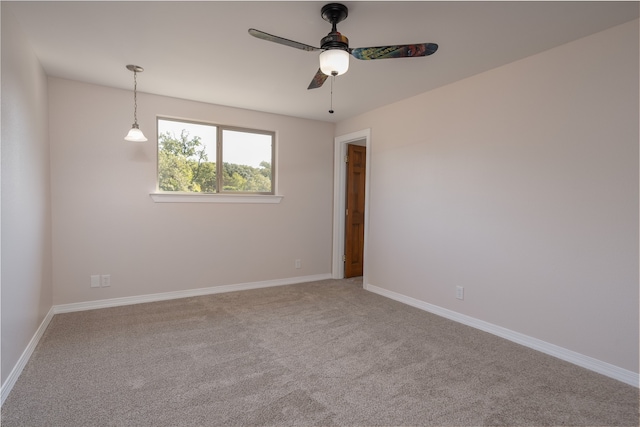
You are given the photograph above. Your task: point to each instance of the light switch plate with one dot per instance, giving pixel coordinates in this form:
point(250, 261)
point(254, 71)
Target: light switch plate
point(105, 280)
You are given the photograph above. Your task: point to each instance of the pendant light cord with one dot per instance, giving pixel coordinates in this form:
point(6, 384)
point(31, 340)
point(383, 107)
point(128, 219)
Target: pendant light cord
point(135, 97)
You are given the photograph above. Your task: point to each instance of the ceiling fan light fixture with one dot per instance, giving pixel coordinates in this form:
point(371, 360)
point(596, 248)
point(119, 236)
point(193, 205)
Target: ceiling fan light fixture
point(334, 62)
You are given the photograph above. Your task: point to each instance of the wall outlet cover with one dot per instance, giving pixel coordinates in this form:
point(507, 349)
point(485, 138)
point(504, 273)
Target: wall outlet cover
point(95, 280)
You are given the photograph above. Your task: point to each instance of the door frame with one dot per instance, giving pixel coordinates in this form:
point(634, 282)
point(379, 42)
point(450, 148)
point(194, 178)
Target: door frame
point(339, 199)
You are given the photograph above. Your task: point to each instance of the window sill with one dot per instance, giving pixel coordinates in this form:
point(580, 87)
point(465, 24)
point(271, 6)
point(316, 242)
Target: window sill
point(214, 198)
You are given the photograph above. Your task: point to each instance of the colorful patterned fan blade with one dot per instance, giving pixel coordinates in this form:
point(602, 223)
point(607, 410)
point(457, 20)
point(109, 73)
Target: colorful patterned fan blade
point(318, 80)
point(271, 38)
point(396, 51)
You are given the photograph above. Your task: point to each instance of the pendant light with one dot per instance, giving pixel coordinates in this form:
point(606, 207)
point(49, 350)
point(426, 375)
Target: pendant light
point(135, 134)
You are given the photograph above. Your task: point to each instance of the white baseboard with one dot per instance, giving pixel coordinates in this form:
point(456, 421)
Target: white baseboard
point(24, 358)
point(604, 368)
point(140, 299)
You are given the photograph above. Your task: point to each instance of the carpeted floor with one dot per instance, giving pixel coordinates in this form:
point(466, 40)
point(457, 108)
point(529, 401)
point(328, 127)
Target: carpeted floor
point(318, 354)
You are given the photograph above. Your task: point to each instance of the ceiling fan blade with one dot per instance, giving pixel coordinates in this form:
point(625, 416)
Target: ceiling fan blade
point(395, 51)
point(318, 80)
point(271, 38)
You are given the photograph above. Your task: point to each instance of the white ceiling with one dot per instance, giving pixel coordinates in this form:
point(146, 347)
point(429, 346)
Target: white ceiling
point(201, 50)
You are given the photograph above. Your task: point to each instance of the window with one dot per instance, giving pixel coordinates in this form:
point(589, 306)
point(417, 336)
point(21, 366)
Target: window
point(204, 158)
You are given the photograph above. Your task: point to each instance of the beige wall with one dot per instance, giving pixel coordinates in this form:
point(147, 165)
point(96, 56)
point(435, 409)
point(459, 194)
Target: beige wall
point(26, 218)
point(104, 221)
point(520, 184)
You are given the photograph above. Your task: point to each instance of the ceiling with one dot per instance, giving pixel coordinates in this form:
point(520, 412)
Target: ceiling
point(202, 51)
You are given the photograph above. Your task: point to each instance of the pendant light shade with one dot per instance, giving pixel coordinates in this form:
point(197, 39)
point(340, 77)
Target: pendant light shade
point(135, 134)
point(334, 62)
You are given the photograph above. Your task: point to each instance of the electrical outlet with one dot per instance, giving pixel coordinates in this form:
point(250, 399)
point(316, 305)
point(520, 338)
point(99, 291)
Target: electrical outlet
point(105, 280)
point(95, 280)
point(459, 292)
point(298, 264)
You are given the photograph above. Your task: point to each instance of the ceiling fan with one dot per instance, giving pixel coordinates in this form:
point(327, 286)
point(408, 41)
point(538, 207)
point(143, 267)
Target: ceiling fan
point(334, 59)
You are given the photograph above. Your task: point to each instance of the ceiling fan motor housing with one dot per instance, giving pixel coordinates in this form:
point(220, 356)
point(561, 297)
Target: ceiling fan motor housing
point(334, 40)
point(334, 13)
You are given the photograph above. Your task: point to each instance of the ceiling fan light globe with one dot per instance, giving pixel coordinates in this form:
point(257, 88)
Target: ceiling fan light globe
point(334, 62)
point(135, 135)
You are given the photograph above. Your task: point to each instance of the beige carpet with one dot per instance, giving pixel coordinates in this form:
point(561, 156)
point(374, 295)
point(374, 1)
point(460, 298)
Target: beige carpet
point(318, 354)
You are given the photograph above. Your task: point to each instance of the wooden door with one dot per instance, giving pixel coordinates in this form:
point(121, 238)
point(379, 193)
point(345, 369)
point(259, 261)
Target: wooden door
point(354, 223)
